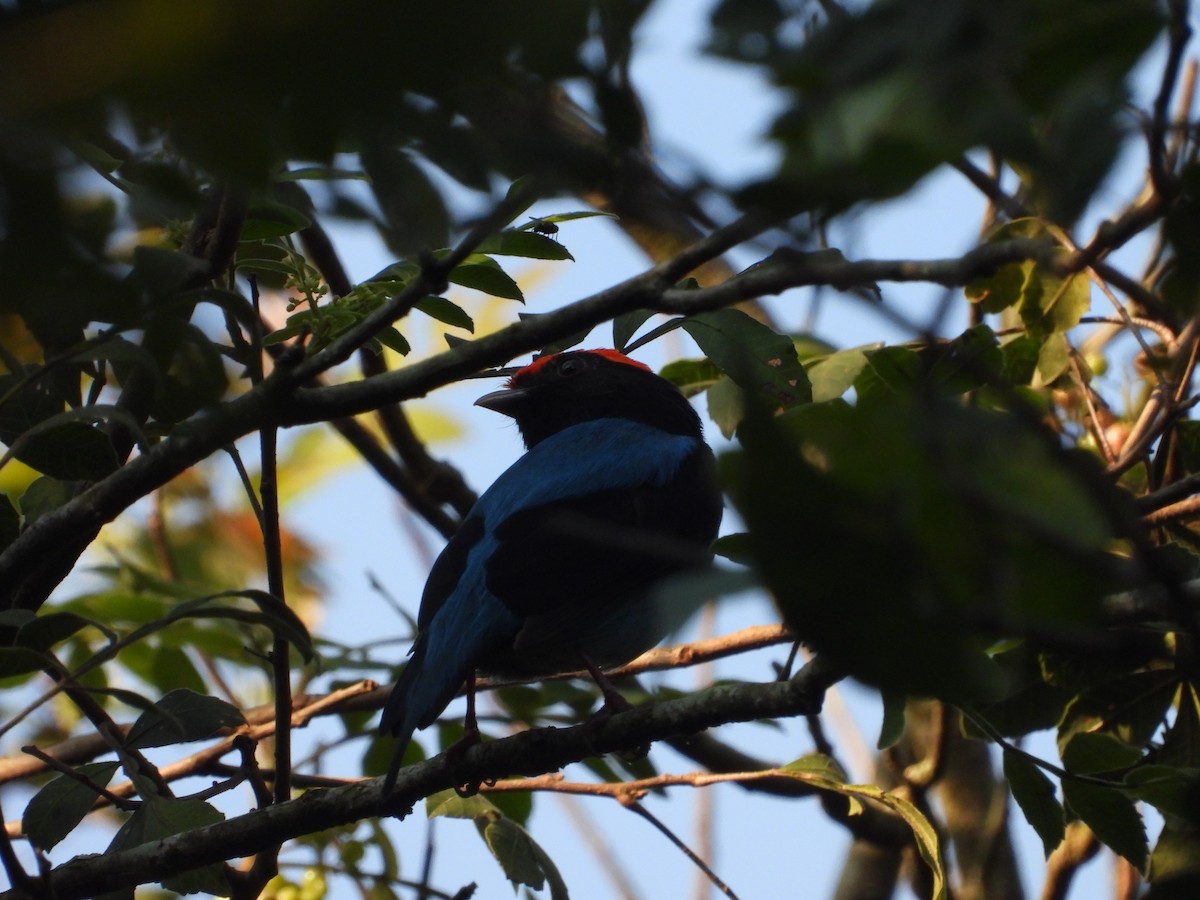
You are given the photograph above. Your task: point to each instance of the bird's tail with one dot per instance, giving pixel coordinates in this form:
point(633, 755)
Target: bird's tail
point(420, 694)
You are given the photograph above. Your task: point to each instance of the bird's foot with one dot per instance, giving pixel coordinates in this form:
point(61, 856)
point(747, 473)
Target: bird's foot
point(454, 756)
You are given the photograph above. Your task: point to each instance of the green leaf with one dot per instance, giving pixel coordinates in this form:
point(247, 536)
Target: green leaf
point(69, 451)
point(1170, 790)
point(162, 272)
point(832, 376)
point(182, 716)
point(25, 403)
point(525, 244)
point(812, 770)
point(726, 405)
point(48, 629)
point(482, 274)
point(58, 807)
point(255, 266)
point(890, 372)
point(444, 311)
point(21, 661)
point(274, 614)
point(1175, 864)
point(691, 376)
point(960, 493)
point(161, 817)
point(625, 326)
point(1181, 744)
point(570, 217)
point(1112, 816)
point(819, 765)
point(521, 857)
point(734, 547)
point(1046, 302)
point(1034, 793)
point(1054, 358)
point(43, 496)
point(195, 374)
point(268, 220)
point(1131, 708)
point(523, 861)
point(894, 719)
point(761, 362)
point(1089, 752)
point(393, 340)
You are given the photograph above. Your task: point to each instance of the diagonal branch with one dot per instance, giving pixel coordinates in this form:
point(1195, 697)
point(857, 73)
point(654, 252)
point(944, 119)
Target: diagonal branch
point(532, 752)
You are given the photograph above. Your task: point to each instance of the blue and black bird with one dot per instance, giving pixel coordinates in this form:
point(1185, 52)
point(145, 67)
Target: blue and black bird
point(554, 568)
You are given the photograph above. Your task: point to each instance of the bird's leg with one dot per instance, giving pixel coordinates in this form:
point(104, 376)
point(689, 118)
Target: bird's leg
point(614, 701)
point(471, 736)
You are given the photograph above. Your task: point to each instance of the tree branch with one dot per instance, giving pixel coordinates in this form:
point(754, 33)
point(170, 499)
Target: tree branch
point(34, 563)
point(533, 752)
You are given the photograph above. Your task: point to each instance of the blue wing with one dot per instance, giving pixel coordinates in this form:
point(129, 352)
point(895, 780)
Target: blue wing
point(515, 558)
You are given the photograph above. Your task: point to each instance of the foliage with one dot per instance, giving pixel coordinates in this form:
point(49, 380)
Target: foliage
point(971, 516)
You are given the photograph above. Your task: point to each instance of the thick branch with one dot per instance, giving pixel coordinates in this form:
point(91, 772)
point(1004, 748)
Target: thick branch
point(533, 752)
point(42, 555)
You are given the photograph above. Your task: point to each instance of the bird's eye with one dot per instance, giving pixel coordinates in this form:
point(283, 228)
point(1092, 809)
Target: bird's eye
point(571, 367)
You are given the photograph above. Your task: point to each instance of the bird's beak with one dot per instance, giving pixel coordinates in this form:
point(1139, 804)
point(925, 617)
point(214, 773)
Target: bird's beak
point(505, 401)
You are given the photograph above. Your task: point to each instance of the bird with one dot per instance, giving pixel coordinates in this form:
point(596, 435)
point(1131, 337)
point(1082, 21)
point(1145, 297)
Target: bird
point(554, 567)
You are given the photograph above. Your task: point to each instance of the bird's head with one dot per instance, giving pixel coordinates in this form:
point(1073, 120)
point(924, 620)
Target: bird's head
point(558, 390)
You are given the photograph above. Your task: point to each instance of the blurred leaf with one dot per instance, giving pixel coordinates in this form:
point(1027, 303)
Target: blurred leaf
point(734, 547)
point(416, 219)
point(1046, 302)
point(891, 730)
point(515, 805)
point(268, 220)
point(445, 311)
point(162, 273)
point(726, 405)
point(960, 496)
point(1130, 709)
point(68, 451)
point(691, 376)
point(1087, 753)
point(1172, 791)
point(482, 274)
point(195, 374)
point(822, 773)
point(1034, 793)
point(525, 244)
point(58, 807)
point(48, 629)
point(832, 376)
point(24, 403)
point(1175, 864)
point(44, 496)
point(21, 661)
point(626, 325)
point(393, 340)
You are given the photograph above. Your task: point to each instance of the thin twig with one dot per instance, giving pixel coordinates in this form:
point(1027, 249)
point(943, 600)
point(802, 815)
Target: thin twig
point(684, 848)
point(62, 768)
